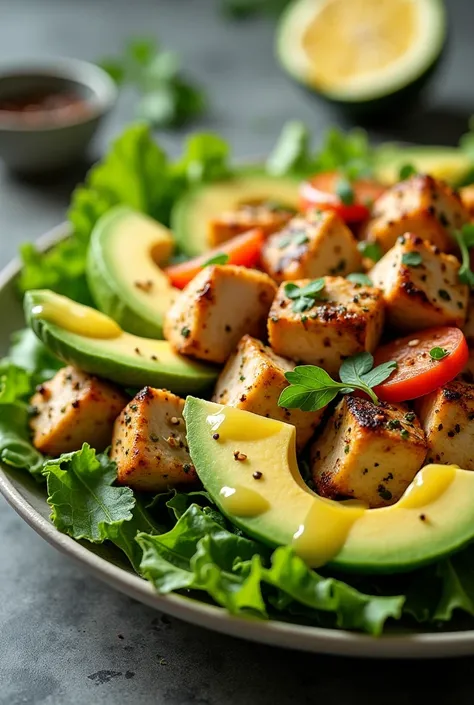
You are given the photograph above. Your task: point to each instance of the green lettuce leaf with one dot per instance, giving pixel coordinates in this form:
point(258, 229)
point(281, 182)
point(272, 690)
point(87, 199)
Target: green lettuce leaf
point(200, 554)
point(15, 446)
point(28, 352)
point(83, 502)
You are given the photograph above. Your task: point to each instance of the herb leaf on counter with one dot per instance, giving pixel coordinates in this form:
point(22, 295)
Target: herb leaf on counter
point(168, 98)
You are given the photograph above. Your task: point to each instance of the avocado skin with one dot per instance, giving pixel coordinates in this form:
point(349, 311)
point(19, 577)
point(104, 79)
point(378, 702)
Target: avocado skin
point(74, 350)
point(107, 297)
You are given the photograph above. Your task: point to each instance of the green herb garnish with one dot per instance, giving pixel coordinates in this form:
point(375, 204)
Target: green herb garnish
point(371, 250)
point(220, 258)
point(406, 171)
point(465, 240)
point(311, 388)
point(438, 353)
point(345, 191)
point(304, 297)
point(167, 98)
point(412, 259)
point(359, 278)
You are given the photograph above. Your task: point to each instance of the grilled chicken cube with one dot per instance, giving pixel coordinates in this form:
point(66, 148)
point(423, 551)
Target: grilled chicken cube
point(311, 246)
point(74, 408)
point(421, 285)
point(367, 452)
point(467, 198)
point(216, 309)
point(347, 319)
point(149, 443)
point(253, 380)
point(447, 415)
point(267, 216)
point(421, 205)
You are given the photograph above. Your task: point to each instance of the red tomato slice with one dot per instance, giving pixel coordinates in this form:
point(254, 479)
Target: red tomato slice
point(321, 192)
point(418, 373)
point(243, 250)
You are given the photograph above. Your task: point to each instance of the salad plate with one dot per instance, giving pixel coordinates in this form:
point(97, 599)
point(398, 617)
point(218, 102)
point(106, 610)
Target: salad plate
point(296, 599)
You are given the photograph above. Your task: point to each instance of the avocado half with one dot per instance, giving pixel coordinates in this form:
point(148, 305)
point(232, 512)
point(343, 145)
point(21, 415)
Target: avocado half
point(192, 213)
point(448, 163)
point(127, 359)
point(368, 97)
point(434, 518)
point(123, 270)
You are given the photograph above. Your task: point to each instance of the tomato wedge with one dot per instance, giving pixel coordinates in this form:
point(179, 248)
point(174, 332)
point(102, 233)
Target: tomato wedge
point(324, 191)
point(418, 373)
point(243, 250)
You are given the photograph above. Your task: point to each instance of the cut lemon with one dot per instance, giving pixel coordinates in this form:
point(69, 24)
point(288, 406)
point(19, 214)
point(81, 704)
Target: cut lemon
point(361, 50)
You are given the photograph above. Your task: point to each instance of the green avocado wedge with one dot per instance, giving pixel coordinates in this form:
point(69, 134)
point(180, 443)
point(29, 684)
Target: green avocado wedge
point(265, 495)
point(193, 212)
point(109, 352)
point(448, 163)
point(123, 270)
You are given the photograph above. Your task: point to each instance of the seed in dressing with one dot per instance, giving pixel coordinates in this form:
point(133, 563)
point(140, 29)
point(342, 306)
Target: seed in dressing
point(235, 425)
point(243, 502)
point(76, 318)
point(430, 483)
point(324, 530)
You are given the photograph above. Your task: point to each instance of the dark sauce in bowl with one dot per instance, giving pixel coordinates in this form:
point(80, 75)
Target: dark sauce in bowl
point(39, 107)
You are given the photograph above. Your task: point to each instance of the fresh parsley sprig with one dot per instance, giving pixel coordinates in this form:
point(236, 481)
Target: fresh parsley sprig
point(219, 258)
point(465, 240)
point(371, 250)
point(312, 388)
point(304, 297)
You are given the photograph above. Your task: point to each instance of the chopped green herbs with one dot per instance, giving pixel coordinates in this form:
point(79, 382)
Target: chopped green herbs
point(445, 295)
point(359, 278)
point(438, 353)
point(185, 332)
point(404, 434)
point(301, 239)
point(412, 259)
point(345, 191)
point(371, 250)
point(406, 171)
point(311, 388)
point(465, 240)
point(167, 98)
point(304, 297)
point(220, 258)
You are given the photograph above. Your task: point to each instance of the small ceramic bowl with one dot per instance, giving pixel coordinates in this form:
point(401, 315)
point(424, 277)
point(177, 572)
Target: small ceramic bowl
point(49, 111)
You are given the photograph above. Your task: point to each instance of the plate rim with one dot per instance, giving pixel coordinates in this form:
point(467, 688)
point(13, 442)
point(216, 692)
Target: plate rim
point(274, 632)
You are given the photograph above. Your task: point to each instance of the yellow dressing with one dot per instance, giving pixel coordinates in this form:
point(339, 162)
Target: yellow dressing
point(243, 502)
point(429, 484)
point(76, 318)
point(231, 426)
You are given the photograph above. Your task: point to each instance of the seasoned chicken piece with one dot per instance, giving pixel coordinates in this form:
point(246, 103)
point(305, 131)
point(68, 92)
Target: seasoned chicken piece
point(253, 380)
point(367, 452)
point(311, 246)
point(421, 285)
point(421, 205)
point(216, 309)
point(149, 443)
point(447, 415)
point(346, 319)
point(267, 216)
point(467, 198)
point(74, 408)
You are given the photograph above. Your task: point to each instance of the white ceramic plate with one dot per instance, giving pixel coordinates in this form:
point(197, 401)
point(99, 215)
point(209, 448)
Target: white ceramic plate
point(28, 499)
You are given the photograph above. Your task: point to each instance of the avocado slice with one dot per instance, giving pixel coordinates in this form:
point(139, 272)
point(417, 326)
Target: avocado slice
point(248, 465)
point(125, 280)
point(448, 163)
point(192, 213)
point(93, 342)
